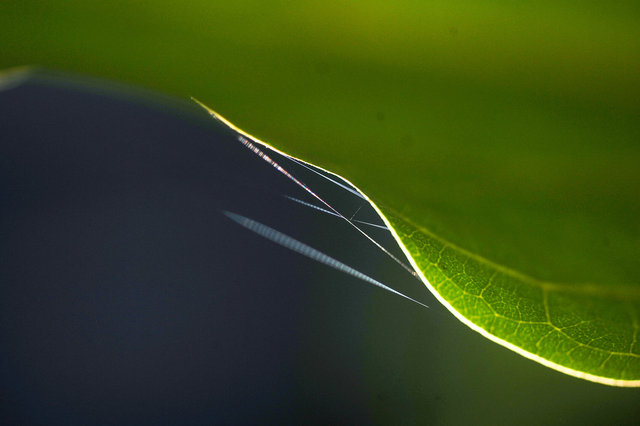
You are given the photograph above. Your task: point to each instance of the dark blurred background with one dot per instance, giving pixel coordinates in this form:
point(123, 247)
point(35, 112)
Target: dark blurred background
point(126, 297)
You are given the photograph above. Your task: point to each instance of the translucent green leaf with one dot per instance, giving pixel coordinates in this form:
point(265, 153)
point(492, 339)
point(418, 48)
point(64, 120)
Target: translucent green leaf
point(585, 328)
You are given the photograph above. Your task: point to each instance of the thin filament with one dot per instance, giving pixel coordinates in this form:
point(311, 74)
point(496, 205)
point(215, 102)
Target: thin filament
point(313, 206)
point(306, 250)
point(279, 168)
point(268, 159)
point(353, 191)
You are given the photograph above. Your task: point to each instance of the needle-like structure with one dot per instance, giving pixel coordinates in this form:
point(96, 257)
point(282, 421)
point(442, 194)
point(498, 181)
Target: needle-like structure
point(244, 138)
point(306, 250)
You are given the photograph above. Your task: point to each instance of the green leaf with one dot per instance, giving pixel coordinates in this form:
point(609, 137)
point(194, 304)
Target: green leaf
point(588, 329)
point(500, 140)
point(583, 329)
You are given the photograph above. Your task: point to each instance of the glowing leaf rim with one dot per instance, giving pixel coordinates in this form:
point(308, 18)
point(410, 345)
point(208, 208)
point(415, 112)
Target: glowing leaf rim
point(563, 369)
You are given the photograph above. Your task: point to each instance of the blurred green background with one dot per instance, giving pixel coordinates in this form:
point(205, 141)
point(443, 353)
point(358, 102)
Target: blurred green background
point(320, 73)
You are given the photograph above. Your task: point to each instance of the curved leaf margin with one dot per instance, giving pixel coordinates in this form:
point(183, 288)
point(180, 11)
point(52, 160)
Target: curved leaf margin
point(495, 301)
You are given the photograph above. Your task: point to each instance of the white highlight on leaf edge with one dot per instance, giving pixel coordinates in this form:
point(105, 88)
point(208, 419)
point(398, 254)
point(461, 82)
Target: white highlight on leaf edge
point(566, 370)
